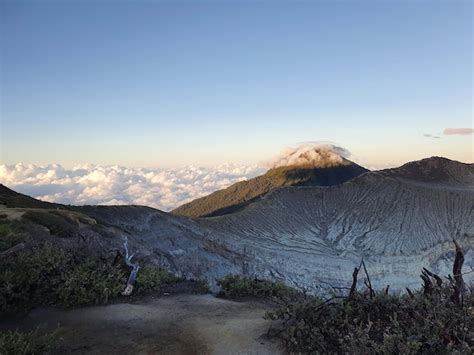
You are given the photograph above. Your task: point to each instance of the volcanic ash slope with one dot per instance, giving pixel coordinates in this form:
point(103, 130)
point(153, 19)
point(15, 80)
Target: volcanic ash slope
point(399, 220)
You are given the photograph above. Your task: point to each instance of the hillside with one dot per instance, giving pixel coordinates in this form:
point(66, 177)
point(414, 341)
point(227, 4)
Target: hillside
point(239, 195)
point(310, 237)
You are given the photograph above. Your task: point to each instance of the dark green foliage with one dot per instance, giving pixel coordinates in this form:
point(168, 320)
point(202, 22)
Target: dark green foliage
point(92, 281)
point(10, 235)
point(56, 223)
point(16, 343)
point(386, 324)
point(32, 278)
point(47, 275)
point(151, 278)
point(235, 287)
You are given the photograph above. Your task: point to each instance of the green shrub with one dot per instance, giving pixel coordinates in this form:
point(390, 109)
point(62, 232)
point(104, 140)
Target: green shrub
point(150, 278)
point(386, 324)
point(236, 287)
point(16, 343)
point(91, 281)
point(56, 223)
point(32, 278)
point(47, 275)
point(10, 235)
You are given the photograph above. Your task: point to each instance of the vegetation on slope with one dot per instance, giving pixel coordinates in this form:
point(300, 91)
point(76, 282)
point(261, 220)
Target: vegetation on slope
point(242, 193)
point(44, 274)
point(383, 324)
point(437, 319)
point(239, 288)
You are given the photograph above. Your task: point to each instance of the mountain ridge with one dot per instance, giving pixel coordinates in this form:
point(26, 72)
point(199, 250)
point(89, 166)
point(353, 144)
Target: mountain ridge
point(306, 236)
point(239, 195)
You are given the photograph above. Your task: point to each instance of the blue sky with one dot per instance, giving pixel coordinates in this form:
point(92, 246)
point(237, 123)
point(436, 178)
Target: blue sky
point(154, 83)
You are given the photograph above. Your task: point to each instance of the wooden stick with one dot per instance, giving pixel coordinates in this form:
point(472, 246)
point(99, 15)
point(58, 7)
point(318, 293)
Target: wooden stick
point(371, 290)
point(458, 285)
point(133, 273)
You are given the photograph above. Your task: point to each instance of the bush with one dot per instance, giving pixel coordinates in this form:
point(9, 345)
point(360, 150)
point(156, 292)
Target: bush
point(16, 343)
point(151, 278)
point(91, 281)
point(10, 235)
point(56, 223)
point(235, 287)
point(385, 324)
point(47, 275)
point(32, 278)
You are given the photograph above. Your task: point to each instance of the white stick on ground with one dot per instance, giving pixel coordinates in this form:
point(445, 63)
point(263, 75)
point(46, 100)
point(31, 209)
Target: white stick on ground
point(133, 273)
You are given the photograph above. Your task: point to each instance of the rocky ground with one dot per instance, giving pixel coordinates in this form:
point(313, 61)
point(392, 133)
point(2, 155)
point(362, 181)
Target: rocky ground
point(176, 324)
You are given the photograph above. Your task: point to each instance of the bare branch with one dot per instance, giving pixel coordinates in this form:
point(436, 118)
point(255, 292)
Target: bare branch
point(438, 279)
point(458, 282)
point(371, 290)
point(427, 284)
point(354, 283)
point(133, 273)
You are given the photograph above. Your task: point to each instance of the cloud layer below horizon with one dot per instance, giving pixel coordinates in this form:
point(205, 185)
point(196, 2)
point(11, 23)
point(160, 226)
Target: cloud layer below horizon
point(164, 189)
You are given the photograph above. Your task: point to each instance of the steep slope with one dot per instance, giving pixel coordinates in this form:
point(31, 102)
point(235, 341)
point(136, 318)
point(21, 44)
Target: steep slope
point(397, 219)
point(239, 195)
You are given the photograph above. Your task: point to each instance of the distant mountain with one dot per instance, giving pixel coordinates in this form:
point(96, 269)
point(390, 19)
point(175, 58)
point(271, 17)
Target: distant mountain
point(435, 170)
point(239, 195)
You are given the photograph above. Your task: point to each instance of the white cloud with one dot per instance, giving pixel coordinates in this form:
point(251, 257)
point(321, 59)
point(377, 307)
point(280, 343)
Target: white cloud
point(313, 153)
point(165, 189)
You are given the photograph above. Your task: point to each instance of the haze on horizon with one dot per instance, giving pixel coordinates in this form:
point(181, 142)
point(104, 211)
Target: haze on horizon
point(167, 84)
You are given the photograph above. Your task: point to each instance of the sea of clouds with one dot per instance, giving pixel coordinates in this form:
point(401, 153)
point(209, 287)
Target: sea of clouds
point(164, 189)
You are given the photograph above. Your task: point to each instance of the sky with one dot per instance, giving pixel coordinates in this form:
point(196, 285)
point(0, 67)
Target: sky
point(174, 84)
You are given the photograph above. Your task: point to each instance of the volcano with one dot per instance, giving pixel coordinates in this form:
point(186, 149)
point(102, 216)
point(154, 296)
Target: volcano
point(308, 172)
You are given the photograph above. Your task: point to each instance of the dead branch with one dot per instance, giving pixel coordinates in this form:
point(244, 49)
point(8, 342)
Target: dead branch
point(410, 293)
point(133, 273)
point(439, 281)
point(353, 290)
point(12, 250)
point(458, 282)
point(386, 289)
point(354, 282)
point(371, 290)
point(427, 284)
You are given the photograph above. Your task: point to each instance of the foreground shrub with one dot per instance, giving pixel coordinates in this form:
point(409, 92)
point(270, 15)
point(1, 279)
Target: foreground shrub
point(236, 287)
point(44, 274)
point(32, 278)
point(16, 343)
point(151, 278)
point(384, 324)
point(91, 282)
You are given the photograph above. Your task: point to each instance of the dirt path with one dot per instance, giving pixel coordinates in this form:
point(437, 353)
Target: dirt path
point(183, 324)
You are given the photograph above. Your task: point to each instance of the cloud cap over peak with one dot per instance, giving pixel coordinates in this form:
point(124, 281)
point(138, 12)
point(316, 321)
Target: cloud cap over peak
point(318, 154)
